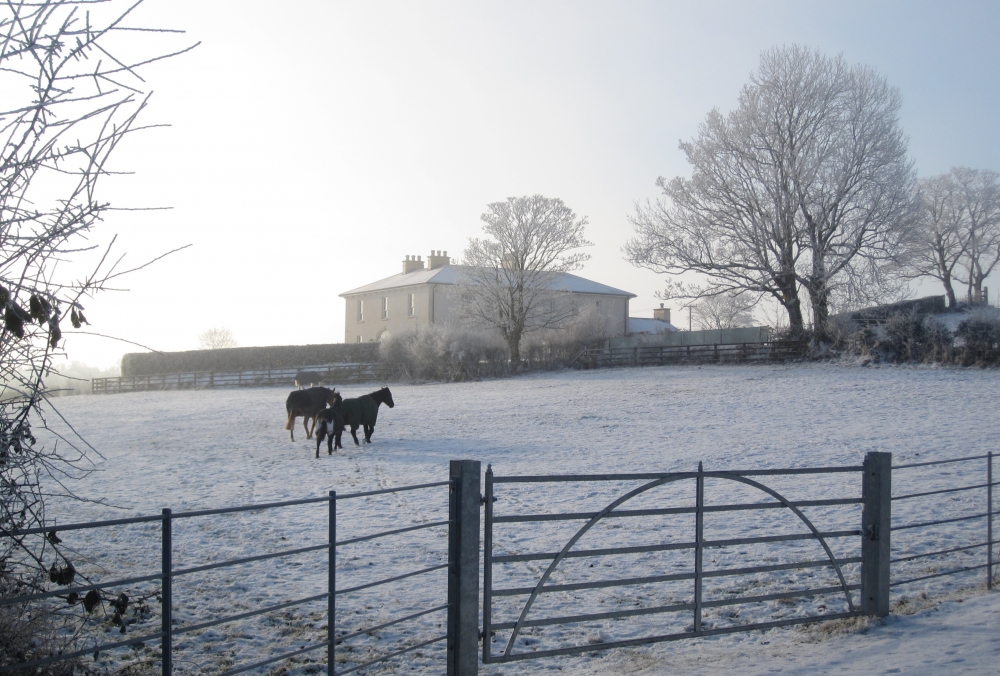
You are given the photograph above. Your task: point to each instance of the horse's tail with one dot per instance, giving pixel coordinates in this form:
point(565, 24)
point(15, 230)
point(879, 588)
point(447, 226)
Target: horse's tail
point(291, 420)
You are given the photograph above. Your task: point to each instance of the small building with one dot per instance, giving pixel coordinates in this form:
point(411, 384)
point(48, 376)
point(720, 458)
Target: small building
point(660, 323)
point(421, 296)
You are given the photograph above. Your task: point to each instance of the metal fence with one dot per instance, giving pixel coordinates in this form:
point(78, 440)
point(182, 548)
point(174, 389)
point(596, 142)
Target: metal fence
point(964, 498)
point(341, 630)
point(677, 581)
point(660, 355)
point(571, 563)
point(201, 380)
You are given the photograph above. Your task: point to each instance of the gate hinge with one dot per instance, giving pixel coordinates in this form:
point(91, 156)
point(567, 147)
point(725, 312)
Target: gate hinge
point(872, 532)
point(482, 499)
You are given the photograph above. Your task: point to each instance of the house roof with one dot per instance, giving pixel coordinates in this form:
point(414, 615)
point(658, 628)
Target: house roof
point(449, 274)
point(647, 325)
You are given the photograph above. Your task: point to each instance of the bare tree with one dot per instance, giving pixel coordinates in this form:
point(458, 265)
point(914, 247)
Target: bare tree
point(70, 98)
point(216, 339)
point(508, 281)
point(805, 185)
point(980, 196)
point(725, 311)
point(941, 239)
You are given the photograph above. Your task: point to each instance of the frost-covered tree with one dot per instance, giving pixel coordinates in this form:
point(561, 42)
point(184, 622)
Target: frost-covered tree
point(804, 186)
point(940, 239)
point(980, 196)
point(216, 339)
point(507, 280)
point(725, 311)
point(958, 234)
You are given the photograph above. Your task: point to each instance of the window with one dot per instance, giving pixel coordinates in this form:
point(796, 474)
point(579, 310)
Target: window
point(385, 307)
point(359, 339)
point(411, 305)
point(361, 313)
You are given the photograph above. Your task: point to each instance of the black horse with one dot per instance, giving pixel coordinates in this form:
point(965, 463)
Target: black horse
point(363, 411)
point(330, 424)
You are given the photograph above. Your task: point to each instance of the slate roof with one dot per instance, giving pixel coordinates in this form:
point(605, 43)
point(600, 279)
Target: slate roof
point(649, 325)
point(449, 274)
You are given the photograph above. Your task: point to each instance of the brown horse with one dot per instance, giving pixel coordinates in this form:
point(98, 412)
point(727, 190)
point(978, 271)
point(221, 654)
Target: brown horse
point(308, 404)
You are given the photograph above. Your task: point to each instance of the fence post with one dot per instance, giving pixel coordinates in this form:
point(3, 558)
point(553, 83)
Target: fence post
point(487, 563)
point(463, 569)
point(699, 532)
point(876, 520)
point(166, 596)
point(331, 588)
point(989, 520)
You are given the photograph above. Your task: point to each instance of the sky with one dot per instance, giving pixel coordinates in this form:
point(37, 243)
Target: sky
point(313, 144)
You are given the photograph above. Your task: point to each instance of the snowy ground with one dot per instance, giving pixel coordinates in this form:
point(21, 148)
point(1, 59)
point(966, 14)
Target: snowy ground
point(205, 449)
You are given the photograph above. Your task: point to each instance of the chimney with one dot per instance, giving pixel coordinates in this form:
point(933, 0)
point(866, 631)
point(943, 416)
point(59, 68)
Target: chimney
point(412, 263)
point(661, 313)
point(437, 259)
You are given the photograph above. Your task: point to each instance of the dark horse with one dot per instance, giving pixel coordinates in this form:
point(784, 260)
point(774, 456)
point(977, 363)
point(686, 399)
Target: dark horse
point(363, 411)
point(330, 424)
point(308, 404)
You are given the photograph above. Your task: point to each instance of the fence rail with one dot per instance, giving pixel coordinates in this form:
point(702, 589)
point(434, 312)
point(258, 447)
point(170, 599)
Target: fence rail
point(924, 526)
point(661, 355)
point(861, 553)
point(696, 574)
point(169, 573)
point(201, 380)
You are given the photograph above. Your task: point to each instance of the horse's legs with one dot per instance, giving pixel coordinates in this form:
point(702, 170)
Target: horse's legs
point(369, 429)
point(354, 433)
point(329, 444)
point(338, 444)
point(318, 441)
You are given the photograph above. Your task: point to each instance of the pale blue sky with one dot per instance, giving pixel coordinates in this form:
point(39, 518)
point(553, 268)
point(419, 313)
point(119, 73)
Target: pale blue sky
point(314, 144)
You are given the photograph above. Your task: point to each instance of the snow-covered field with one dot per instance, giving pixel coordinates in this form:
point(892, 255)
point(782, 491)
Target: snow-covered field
point(207, 449)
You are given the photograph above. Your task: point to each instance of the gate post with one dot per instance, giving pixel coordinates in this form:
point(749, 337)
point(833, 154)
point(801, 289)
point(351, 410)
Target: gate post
point(876, 522)
point(463, 569)
point(167, 597)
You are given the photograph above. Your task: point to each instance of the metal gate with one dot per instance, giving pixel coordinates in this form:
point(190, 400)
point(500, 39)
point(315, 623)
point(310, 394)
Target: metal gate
point(810, 549)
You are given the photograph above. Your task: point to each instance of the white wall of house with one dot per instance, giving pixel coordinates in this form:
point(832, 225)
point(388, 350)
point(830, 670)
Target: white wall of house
point(397, 318)
point(438, 304)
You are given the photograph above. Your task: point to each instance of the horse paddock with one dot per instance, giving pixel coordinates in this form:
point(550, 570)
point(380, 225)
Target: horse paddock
point(217, 448)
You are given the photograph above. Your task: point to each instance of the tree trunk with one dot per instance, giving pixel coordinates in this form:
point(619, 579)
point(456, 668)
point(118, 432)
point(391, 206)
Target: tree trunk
point(949, 290)
point(514, 345)
point(820, 300)
point(789, 300)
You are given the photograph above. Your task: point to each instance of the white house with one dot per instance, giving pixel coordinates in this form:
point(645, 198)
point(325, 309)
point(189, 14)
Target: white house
point(420, 296)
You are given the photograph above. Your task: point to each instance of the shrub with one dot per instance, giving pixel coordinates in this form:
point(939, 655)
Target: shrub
point(978, 340)
point(904, 337)
point(445, 353)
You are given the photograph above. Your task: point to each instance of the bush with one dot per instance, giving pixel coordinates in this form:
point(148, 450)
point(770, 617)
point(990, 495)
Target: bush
point(31, 631)
point(978, 340)
point(559, 348)
point(905, 337)
point(445, 353)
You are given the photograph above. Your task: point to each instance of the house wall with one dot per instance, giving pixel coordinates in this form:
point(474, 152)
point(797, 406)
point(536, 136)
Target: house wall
point(372, 326)
point(437, 304)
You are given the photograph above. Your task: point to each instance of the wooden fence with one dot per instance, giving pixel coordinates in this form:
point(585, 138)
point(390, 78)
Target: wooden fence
point(332, 374)
point(659, 355)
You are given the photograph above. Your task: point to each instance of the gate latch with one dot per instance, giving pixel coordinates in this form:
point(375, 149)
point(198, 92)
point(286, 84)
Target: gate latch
point(482, 499)
point(872, 532)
